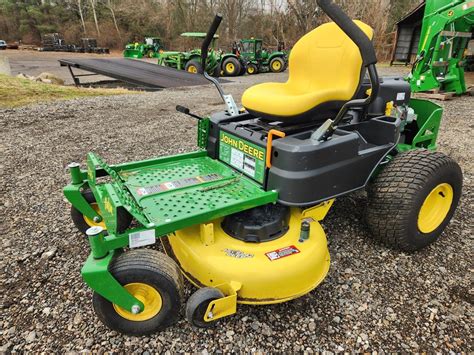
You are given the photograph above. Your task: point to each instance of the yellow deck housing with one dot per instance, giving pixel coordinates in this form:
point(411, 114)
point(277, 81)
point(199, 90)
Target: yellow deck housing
point(210, 257)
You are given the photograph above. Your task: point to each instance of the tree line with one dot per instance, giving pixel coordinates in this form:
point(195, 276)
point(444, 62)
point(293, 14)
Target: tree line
point(116, 22)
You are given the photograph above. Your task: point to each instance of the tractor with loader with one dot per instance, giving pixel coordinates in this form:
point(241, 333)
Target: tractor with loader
point(150, 48)
point(240, 217)
point(259, 60)
point(191, 60)
point(446, 30)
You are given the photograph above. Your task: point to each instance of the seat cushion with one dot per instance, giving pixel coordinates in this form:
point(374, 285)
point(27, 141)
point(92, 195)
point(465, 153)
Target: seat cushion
point(325, 69)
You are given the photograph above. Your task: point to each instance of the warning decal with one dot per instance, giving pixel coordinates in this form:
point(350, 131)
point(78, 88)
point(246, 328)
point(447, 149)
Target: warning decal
point(282, 253)
point(171, 185)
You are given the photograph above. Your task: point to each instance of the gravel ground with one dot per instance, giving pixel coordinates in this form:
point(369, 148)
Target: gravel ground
point(373, 298)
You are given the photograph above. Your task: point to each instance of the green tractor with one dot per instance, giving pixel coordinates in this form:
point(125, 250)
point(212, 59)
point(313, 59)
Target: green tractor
point(258, 59)
point(190, 60)
point(150, 48)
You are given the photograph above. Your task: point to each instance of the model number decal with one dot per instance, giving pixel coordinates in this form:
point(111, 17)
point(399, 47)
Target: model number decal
point(282, 253)
point(242, 155)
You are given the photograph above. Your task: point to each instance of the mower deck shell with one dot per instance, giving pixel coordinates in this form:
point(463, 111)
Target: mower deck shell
point(265, 274)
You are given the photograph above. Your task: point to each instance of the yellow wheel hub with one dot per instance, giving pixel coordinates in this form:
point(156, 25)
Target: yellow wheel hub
point(435, 208)
point(192, 69)
point(230, 67)
point(150, 298)
point(251, 70)
point(276, 65)
point(90, 222)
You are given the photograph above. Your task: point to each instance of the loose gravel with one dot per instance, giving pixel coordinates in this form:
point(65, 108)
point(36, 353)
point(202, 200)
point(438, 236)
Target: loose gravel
point(373, 299)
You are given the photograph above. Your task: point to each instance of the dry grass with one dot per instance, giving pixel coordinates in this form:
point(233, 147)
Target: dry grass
point(15, 92)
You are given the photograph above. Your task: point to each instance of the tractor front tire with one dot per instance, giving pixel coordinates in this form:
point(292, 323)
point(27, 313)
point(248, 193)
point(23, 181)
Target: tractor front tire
point(193, 66)
point(252, 69)
point(413, 199)
point(83, 223)
point(231, 67)
point(277, 65)
point(155, 279)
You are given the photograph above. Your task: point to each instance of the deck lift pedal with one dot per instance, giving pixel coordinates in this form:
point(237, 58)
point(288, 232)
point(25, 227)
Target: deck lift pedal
point(239, 217)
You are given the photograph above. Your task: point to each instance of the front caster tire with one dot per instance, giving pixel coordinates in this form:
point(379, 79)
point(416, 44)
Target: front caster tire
point(153, 278)
point(197, 305)
point(413, 199)
point(83, 223)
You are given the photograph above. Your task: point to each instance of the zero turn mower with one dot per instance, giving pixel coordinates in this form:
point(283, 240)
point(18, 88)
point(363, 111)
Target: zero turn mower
point(240, 217)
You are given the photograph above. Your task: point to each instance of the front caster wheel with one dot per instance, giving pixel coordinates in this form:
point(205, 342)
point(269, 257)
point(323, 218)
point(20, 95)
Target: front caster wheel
point(154, 279)
point(83, 223)
point(197, 305)
point(413, 199)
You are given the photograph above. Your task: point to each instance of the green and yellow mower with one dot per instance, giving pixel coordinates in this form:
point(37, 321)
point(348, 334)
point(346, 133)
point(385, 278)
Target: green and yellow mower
point(239, 218)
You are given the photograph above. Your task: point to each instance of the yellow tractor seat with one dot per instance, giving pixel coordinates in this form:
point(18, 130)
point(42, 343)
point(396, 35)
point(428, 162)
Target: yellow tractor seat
point(325, 71)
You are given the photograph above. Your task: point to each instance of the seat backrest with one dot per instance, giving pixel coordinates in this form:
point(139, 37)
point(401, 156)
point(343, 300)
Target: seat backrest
point(326, 59)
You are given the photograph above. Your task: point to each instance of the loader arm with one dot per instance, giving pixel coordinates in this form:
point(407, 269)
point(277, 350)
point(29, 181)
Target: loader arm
point(446, 30)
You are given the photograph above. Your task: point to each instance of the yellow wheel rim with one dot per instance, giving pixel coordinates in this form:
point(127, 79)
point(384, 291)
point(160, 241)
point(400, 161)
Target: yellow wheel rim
point(90, 222)
point(192, 69)
point(229, 67)
point(251, 70)
point(276, 65)
point(150, 298)
point(435, 208)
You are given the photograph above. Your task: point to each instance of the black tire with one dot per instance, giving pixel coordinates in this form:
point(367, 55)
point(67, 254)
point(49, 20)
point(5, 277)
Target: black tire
point(243, 69)
point(231, 67)
point(252, 69)
point(397, 194)
point(197, 305)
point(193, 63)
point(154, 269)
point(277, 65)
point(123, 219)
point(217, 71)
point(150, 53)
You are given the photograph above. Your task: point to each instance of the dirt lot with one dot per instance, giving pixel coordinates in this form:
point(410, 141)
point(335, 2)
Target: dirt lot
point(373, 299)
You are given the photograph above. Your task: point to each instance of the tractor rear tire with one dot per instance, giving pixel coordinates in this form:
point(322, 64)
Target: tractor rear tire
point(82, 223)
point(277, 65)
point(413, 199)
point(193, 66)
point(231, 67)
point(156, 280)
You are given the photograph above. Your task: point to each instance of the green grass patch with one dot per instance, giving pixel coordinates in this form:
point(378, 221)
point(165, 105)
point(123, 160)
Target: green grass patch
point(15, 92)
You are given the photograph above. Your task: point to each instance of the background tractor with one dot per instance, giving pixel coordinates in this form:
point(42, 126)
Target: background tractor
point(257, 59)
point(150, 48)
point(190, 60)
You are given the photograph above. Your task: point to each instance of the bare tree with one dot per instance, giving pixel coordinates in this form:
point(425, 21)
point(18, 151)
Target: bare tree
point(110, 6)
point(94, 12)
point(81, 15)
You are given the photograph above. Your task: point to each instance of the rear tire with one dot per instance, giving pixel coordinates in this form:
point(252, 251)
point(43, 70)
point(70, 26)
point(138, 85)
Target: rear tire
point(231, 67)
point(159, 276)
point(413, 199)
